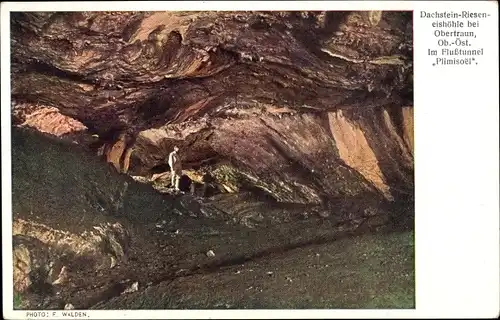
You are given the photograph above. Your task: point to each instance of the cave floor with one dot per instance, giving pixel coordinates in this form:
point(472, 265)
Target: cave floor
point(367, 271)
point(264, 255)
point(302, 263)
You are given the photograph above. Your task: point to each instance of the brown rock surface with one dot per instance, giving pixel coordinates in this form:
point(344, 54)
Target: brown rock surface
point(300, 124)
point(118, 72)
point(45, 119)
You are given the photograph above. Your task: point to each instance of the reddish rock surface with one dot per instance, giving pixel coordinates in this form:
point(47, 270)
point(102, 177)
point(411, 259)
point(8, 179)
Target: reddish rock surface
point(300, 124)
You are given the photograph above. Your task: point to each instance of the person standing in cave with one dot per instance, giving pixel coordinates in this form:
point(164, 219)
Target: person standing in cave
point(174, 162)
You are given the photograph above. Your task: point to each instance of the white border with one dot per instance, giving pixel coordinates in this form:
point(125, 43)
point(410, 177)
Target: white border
point(456, 157)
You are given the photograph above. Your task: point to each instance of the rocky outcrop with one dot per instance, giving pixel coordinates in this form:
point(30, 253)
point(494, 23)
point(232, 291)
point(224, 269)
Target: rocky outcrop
point(81, 229)
point(299, 125)
point(39, 266)
point(21, 262)
point(302, 105)
point(73, 216)
point(300, 158)
point(101, 247)
point(45, 119)
point(141, 70)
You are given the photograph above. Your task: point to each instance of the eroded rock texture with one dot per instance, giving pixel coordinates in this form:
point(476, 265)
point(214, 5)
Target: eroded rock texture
point(301, 124)
point(302, 106)
point(84, 234)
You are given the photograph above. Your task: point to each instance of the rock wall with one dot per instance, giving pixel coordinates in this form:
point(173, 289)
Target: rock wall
point(45, 119)
point(303, 106)
point(71, 213)
point(301, 158)
point(115, 70)
point(310, 112)
point(83, 233)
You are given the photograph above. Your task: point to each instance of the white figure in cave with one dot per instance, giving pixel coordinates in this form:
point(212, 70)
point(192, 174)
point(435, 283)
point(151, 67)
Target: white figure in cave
point(107, 80)
point(174, 162)
point(245, 56)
